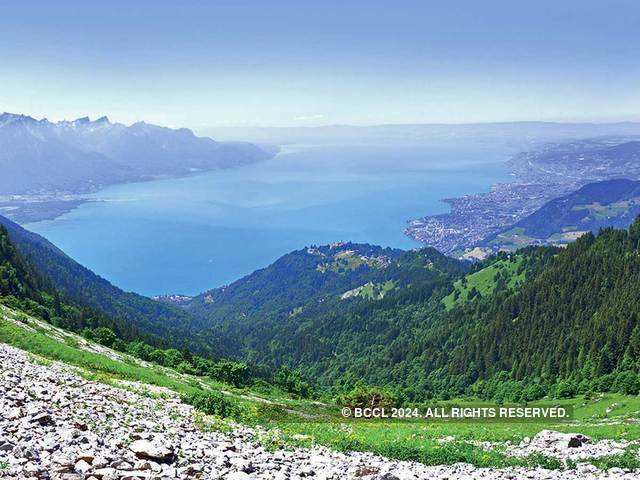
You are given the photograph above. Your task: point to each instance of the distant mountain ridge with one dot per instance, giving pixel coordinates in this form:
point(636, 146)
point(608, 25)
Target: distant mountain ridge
point(520, 133)
point(587, 160)
point(42, 157)
point(540, 175)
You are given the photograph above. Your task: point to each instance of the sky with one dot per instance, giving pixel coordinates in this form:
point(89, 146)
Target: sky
point(304, 63)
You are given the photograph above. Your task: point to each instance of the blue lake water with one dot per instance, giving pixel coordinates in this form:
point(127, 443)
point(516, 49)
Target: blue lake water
point(191, 234)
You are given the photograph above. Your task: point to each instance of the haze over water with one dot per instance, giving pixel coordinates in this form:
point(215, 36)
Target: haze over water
point(191, 234)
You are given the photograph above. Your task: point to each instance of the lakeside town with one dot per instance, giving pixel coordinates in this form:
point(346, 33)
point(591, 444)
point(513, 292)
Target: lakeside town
point(551, 171)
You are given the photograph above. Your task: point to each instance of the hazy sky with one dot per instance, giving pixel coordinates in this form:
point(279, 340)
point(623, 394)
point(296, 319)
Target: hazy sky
point(300, 62)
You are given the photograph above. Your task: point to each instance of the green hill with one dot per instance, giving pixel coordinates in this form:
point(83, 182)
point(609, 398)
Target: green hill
point(544, 320)
point(501, 274)
point(311, 282)
point(610, 203)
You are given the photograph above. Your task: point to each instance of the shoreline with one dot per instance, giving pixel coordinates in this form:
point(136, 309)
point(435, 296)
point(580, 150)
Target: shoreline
point(27, 209)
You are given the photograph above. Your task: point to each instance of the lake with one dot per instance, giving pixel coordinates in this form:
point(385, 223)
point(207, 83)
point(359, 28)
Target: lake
point(191, 234)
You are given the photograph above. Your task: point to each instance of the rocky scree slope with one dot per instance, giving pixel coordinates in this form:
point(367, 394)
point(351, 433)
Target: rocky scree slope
point(57, 425)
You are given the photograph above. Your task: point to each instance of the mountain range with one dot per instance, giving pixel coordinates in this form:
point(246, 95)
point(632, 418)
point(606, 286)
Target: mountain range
point(79, 156)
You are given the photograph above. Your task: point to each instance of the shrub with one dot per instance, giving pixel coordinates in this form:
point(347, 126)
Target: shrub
point(292, 382)
point(627, 382)
point(604, 383)
point(102, 335)
point(212, 403)
point(234, 373)
point(565, 389)
point(533, 391)
point(186, 367)
point(369, 397)
point(270, 411)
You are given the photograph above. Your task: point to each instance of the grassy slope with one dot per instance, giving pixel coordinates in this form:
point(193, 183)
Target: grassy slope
point(35, 338)
point(301, 422)
point(484, 281)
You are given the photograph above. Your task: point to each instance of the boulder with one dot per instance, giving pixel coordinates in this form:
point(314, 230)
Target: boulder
point(237, 476)
point(152, 450)
point(578, 440)
point(82, 467)
point(43, 419)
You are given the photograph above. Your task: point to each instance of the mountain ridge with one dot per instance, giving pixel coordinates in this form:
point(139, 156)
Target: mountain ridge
point(314, 280)
point(45, 162)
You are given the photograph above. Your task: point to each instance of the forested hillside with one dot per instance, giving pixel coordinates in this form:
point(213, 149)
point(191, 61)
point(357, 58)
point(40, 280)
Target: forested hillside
point(320, 272)
point(14, 277)
point(577, 319)
point(301, 285)
point(397, 340)
point(23, 288)
point(27, 293)
point(567, 325)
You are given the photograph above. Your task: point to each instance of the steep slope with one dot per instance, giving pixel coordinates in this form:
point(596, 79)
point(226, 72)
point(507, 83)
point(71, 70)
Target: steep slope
point(83, 287)
point(611, 203)
point(34, 160)
point(578, 318)
point(150, 150)
point(23, 288)
point(571, 327)
point(15, 277)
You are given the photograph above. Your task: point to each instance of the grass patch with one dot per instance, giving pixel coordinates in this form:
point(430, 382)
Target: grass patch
point(212, 403)
point(40, 344)
point(370, 290)
point(404, 442)
point(627, 460)
point(484, 281)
